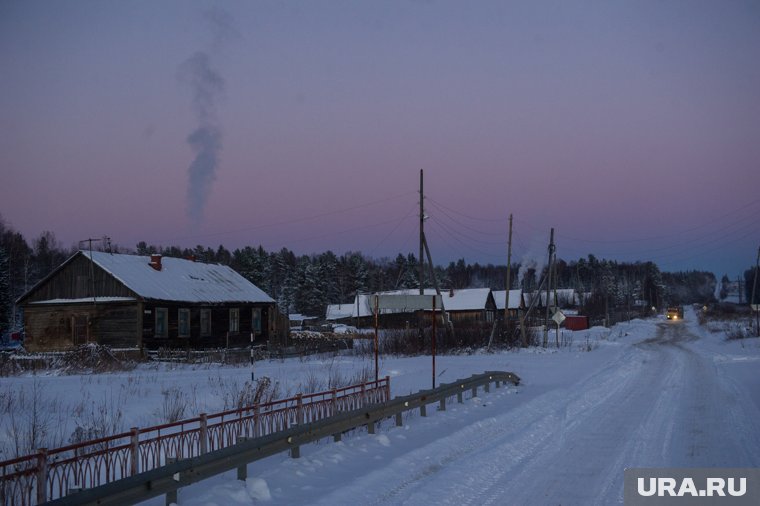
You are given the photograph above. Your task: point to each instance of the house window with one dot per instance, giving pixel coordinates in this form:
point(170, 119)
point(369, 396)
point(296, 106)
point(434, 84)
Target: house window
point(256, 320)
point(489, 316)
point(162, 322)
point(184, 323)
point(234, 320)
point(205, 322)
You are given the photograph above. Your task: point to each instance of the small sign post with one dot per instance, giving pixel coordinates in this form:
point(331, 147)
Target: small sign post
point(403, 302)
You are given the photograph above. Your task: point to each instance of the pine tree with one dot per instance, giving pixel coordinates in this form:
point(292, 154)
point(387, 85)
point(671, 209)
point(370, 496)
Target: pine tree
point(6, 300)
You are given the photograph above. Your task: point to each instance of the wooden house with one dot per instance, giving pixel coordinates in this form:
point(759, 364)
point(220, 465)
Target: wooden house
point(471, 305)
point(127, 301)
point(516, 302)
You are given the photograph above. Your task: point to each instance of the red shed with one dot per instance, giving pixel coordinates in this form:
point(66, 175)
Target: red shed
point(576, 322)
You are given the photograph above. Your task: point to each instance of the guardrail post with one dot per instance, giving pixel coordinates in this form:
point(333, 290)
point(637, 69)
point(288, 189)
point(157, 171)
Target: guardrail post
point(337, 437)
point(387, 388)
point(475, 391)
point(442, 404)
point(370, 427)
point(399, 421)
point(242, 471)
point(487, 386)
point(299, 409)
point(498, 384)
point(459, 394)
point(171, 496)
point(423, 410)
point(203, 434)
point(42, 475)
point(295, 451)
point(334, 402)
point(362, 398)
point(134, 451)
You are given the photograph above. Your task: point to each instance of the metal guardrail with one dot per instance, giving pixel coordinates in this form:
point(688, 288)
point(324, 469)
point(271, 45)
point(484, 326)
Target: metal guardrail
point(170, 478)
point(100, 461)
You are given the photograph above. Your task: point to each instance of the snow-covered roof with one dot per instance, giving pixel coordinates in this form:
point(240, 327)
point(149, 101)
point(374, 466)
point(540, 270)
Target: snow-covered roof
point(468, 299)
point(179, 279)
point(515, 299)
point(339, 311)
point(298, 317)
point(99, 300)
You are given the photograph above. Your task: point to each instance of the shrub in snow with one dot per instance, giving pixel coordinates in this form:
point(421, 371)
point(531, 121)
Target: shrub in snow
point(258, 489)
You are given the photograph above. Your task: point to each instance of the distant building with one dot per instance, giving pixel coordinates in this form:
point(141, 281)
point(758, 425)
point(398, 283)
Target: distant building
point(339, 312)
point(471, 304)
point(148, 302)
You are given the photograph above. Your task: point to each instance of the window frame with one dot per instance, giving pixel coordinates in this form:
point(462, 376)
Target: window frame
point(256, 325)
point(205, 329)
point(161, 313)
point(234, 322)
point(180, 332)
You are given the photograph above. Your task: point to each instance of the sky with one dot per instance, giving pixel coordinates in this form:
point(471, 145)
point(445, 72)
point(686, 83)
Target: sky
point(631, 128)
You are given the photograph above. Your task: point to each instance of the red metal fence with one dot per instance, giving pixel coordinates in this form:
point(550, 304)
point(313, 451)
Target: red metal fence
point(50, 474)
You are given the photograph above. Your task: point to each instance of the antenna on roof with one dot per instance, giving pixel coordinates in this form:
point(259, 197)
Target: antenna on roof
point(106, 241)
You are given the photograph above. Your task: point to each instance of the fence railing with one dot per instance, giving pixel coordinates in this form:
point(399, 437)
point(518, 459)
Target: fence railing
point(50, 474)
point(176, 475)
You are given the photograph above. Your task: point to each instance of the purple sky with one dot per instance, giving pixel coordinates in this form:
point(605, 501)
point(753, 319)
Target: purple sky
point(633, 128)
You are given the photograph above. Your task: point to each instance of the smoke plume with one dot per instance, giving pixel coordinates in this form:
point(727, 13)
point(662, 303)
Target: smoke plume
point(207, 88)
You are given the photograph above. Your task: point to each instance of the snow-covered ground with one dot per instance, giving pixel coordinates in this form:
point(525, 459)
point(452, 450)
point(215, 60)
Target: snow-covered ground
point(643, 394)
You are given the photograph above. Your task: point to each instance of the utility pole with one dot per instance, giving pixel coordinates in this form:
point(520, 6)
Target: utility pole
point(420, 321)
point(753, 300)
point(548, 286)
point(509, 278)
point(444, 315)
point(422, 235)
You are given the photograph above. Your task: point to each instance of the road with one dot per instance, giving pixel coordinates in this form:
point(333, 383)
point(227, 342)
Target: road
point(661, 402)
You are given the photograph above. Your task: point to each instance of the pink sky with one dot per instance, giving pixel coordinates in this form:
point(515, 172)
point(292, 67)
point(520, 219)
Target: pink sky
point(632, 129)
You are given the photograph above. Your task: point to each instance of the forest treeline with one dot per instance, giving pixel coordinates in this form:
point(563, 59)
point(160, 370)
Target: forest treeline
point(307, 283)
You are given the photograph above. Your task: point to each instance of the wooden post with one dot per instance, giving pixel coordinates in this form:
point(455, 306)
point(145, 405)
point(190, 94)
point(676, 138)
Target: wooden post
point(370, 427)
point(134, 451)
point(42, 475)
point(203, 433)
point(377, 310)
point(432, 341)
point(399, 421)
point(256, 421)
point(442, 404)
point(299, 409)
point(423, 410)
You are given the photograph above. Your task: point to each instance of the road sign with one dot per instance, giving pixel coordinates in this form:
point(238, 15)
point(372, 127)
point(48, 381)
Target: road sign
point(558, 317)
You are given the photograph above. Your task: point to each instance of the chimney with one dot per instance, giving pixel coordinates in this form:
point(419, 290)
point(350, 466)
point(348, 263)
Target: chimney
point(451, 292)
point(155, 261)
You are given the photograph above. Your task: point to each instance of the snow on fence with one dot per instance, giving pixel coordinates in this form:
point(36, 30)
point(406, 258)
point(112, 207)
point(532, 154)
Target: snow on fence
point(100, 461)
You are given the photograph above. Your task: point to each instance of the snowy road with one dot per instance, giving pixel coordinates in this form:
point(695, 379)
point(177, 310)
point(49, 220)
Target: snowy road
point(664, 400)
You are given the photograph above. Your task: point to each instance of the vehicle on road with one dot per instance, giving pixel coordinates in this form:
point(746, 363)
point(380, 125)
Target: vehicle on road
point(675, 313)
